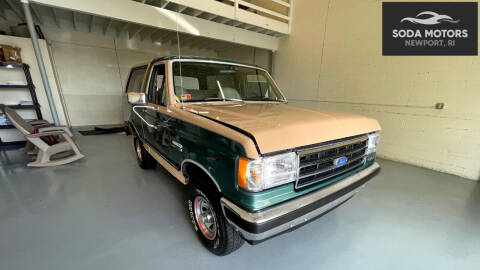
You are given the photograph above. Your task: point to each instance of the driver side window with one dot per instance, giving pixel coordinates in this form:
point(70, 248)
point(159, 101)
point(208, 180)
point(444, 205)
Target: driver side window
point(157, 92)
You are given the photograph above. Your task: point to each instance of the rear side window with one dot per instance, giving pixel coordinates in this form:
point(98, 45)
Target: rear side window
point(136, 78)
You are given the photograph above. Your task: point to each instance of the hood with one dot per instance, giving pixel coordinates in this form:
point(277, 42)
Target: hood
point(278, 126)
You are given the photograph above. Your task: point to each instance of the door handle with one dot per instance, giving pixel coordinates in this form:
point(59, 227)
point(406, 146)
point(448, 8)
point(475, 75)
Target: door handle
point(163, 125)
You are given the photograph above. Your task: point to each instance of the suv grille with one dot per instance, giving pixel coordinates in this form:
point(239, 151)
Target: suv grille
point(317, 164)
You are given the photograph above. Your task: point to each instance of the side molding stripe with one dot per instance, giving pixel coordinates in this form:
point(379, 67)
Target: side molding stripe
point(177, 174)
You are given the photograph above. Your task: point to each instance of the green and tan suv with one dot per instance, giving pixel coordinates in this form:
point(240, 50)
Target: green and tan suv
point(254, 165)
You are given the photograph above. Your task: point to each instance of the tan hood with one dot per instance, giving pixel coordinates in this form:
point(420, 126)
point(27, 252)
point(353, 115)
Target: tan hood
point(279, 126)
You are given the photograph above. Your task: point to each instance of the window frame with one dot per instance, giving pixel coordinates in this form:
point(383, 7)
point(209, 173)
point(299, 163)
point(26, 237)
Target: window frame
point(172, 95)
point(152, 81)
point(168, 83)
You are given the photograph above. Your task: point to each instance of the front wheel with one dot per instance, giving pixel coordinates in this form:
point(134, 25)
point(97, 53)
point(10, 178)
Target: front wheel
point(208, 221)
point(144, 159)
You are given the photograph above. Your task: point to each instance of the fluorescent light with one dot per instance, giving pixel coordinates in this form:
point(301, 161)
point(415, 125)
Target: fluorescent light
point(181, 22)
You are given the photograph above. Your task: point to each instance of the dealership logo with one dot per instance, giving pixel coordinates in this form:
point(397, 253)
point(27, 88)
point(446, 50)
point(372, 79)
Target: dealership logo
point(434, 18)
point(439, 28)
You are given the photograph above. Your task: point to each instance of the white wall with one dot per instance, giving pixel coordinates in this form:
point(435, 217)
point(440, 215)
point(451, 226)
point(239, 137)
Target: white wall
point(11, 97)
point(93, 71)
point(248, 55)
point(333, 59)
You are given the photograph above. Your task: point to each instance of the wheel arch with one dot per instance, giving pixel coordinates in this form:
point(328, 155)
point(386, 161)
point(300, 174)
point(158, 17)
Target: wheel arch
point(190, 164)
point(133, 129)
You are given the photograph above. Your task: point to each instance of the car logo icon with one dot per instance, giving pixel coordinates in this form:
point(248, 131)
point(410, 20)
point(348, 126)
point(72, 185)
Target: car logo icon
point(340, 161)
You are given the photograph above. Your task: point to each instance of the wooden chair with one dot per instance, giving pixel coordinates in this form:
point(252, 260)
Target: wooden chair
point(49, 140)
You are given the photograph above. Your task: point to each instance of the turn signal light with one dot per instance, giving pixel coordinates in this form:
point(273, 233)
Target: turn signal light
point(242, 172)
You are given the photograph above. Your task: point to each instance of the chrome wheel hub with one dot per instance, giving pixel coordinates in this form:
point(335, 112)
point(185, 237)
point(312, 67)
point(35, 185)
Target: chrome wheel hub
point(205, 217)
point(138, 149)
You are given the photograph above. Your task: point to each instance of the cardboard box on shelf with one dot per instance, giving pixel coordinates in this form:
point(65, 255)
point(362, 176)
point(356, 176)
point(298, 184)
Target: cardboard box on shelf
point(10, 54)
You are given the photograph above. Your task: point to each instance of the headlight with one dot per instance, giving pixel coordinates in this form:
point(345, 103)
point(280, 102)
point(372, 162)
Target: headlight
point(267, 172)
point(373, 139)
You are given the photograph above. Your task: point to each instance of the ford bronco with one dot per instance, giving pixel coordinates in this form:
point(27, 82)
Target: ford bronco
point(255, 166)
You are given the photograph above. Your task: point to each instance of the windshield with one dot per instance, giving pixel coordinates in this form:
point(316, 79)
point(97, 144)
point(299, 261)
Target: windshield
point(199, 81)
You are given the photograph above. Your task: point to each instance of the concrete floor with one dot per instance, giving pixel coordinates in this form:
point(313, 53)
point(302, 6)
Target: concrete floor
point(104, 212)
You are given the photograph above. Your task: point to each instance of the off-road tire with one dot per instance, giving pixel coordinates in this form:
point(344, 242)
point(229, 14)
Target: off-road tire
point(144, 159)
point(227, 239)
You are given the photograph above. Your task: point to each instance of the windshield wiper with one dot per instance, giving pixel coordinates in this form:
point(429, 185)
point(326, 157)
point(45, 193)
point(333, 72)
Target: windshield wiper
point(261, 99)
point(223, 99)
point(223, 95)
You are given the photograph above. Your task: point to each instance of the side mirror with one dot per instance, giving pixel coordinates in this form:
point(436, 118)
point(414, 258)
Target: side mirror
point(136, 98)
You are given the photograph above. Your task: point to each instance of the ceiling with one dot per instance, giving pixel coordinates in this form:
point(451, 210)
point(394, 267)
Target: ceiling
point(47, 16)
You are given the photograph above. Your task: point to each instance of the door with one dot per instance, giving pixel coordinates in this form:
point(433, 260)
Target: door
point(158, 125)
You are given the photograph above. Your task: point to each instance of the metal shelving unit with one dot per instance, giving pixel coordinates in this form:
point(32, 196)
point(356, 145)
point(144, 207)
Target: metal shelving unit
point(29, 86)
point(13, 85)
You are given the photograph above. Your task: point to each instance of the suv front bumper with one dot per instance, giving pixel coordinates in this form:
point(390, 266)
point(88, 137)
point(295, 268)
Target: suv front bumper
point(263, 224)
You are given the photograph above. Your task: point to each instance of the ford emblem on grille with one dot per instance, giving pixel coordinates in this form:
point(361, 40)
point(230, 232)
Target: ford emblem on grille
point(340, 161)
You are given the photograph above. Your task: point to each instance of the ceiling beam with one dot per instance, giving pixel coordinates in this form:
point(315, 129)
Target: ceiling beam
point(269, 32)
point(74, 19)
point(135, 31)
point(147, 32)
point(255, 29)
point(106, 25)
point(160, 35)
point(172, 38)
point(2, 14)
point(197, 13)
point(184, 39)
point(283, 3)
point(122, 27)
point(229, 11)
point(165, 4)
point(55, 17)
point(15, 10)
point(90, 23)
point(182, 9)
point(263, 31)
point(36, 14)
point(224, 20)
point(136, 13)
point(211, 17)
point(155, 3)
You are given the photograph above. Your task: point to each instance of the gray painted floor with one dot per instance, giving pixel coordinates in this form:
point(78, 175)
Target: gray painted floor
point(106, 213)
